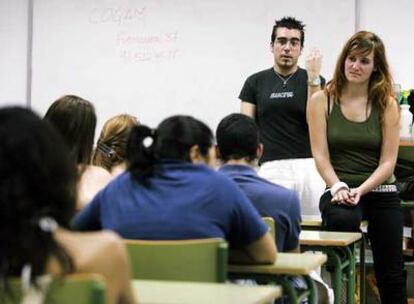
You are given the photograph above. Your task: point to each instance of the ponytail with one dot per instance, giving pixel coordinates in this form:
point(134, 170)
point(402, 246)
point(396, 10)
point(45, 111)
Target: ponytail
point(140, 152)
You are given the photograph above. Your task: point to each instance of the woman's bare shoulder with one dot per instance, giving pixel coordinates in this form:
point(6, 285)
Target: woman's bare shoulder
point(93, 180)
point(96, 172)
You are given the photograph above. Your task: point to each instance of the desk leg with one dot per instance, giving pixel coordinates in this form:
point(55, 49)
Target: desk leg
point(312, 298)
point(294, 296)
point(350, 251)
point(362, 271)
point(288, 290)
point(337, 274)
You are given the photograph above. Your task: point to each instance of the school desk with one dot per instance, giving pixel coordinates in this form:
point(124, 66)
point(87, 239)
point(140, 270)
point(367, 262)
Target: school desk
point(340, 248)
point(286, 265)
point(175, 292)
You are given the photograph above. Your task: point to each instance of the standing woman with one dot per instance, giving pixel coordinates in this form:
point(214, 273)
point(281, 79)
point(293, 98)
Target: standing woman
point(354, 131)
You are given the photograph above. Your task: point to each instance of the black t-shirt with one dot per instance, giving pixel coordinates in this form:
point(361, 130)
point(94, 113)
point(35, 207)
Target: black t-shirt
point(280, 113)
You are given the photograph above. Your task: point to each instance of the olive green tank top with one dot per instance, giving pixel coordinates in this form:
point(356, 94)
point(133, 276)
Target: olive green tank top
point(354, 147)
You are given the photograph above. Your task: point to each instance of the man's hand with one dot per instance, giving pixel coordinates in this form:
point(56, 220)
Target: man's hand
point(314, 64)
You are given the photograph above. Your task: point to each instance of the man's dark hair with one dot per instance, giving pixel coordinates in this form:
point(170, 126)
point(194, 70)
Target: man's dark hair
point(292, 24)
point(237, 137)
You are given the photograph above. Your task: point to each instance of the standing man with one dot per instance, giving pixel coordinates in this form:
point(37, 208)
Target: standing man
point(277, 98)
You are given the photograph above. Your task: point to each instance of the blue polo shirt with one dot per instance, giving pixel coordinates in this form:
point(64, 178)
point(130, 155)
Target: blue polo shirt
point(180, 201)
point(270, 200)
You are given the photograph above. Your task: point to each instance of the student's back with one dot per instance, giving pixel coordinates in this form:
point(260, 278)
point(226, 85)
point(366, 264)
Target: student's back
point(183, 201)
point(270, 200)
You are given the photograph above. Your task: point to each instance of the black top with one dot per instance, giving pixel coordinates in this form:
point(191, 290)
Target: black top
point(280, 113)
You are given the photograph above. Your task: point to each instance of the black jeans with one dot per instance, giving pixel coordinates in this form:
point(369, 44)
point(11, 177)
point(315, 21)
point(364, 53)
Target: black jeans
point(385, 227)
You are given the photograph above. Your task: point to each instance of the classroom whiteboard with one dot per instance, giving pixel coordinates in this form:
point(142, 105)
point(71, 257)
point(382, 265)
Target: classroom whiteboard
point(13, 52)
point(157, 58)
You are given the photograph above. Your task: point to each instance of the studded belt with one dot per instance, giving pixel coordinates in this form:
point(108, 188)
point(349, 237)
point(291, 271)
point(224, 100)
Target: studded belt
point(385, 188)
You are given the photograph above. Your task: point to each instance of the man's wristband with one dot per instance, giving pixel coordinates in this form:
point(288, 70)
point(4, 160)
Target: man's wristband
point(338, 186)
point(315, 82)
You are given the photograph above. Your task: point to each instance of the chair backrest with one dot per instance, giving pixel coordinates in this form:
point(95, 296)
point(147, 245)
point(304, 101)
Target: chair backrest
point(203, 260)
point(76, 288)
point(271, 224)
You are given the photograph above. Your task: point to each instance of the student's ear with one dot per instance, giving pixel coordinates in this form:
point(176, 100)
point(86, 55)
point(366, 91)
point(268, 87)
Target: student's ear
point(259, 151)
point(195, 155)
point(218, 154)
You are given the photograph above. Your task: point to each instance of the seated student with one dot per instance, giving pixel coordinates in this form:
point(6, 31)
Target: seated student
point(75, 119)
point(169, 193)
point(239, 147)
point(37, 200)
point(110, 152)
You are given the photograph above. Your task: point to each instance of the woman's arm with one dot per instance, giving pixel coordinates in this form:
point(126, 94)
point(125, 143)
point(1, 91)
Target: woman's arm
point(103, 253)
point(389, 150)
point(317, 113)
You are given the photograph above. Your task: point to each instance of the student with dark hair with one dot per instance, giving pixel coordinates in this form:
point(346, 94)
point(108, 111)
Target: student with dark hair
point(38, 182)
point(75, 119)
point(277, 99)
point(110, 152)
point(354, 130)
point(239, 147)
point(169, 193)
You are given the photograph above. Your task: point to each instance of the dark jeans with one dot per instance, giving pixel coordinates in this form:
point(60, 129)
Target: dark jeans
point(385, 225)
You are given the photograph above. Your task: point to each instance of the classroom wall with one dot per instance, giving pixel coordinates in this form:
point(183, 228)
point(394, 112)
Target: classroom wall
point(13, 51)
point(392, 21)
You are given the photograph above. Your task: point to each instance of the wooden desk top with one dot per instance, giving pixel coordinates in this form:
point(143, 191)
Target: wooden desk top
point(286, 263)
point(311, 220)
point(316, 221)
point(409, 143)
point(328, 238)
point(407, 204)
point(174, 292)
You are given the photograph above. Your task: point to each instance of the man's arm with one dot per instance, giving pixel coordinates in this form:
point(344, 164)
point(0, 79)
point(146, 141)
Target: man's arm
point(260, 251)
point(313, 68)
point(248, 109)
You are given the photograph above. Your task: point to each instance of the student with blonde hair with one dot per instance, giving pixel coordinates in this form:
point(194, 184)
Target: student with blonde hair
point(110, 152)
